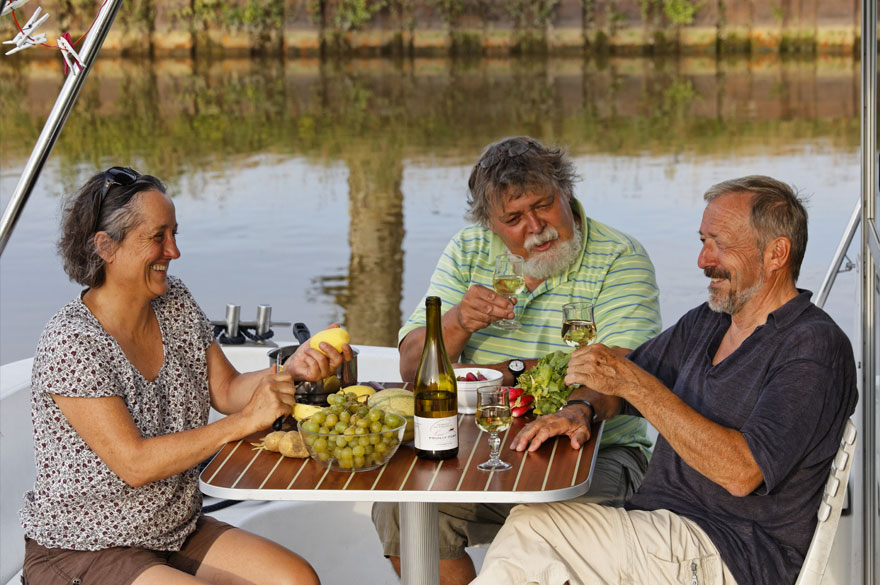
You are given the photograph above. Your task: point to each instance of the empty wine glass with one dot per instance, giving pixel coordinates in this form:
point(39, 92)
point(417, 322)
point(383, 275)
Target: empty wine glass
point(578, 324)
point(493, 416)
point(508, 280)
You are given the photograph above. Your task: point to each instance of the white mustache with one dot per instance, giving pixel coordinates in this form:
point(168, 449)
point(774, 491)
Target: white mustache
point(549, 233)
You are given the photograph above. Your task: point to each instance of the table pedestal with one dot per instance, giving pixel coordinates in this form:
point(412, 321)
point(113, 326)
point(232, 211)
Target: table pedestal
point(419, 543)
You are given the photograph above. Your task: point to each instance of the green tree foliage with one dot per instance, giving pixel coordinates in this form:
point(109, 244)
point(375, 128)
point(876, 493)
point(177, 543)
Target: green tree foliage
point(681, 12)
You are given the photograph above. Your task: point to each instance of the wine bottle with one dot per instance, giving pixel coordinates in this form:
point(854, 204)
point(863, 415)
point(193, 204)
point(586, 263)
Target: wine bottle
point(436, 402)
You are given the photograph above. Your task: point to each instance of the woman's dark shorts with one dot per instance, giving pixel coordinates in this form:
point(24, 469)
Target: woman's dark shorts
point(119, 565)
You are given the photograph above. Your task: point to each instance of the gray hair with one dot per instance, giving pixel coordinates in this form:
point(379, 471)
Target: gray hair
point(510, 168)
point(85, 214)
point(777, 210)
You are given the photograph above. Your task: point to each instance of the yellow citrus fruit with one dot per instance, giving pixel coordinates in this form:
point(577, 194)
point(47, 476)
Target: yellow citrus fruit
point(337, 337)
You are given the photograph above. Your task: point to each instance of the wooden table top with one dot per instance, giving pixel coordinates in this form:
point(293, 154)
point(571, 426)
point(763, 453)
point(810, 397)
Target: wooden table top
point(553, 472)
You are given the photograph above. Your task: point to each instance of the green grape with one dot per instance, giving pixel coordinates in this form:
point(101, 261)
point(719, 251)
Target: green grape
point(393, 420)
point(357, 436)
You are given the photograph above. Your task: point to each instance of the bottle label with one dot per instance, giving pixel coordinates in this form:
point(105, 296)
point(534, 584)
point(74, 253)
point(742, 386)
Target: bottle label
point(436, 434)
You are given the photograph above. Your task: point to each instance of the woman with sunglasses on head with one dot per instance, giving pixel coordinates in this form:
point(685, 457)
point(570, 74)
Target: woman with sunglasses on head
point(123, 380)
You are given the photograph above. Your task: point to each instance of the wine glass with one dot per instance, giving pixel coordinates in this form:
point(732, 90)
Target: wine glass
point(578, 324)
point(508, 280)
point(493, 416)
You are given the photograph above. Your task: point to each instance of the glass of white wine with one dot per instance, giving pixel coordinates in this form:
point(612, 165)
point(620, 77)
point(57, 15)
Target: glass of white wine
point(578, 324)
point(508, 280)
point(493, 416)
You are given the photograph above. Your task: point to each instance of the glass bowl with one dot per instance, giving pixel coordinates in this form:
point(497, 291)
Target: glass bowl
point(357, 449)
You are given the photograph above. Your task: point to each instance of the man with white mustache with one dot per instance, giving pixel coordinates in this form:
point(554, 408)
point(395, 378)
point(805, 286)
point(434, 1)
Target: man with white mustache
point(750, 394)
point(521, 201)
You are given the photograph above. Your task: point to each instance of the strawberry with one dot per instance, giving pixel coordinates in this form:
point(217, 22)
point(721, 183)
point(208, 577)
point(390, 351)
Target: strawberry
point(470, 377)
point(480, 376)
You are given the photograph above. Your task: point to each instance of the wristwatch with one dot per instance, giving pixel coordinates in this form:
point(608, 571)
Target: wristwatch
point(585, 403)
point(516, 367)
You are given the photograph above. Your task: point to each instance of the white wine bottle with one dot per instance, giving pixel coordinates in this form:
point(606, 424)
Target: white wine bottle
point(436, 407)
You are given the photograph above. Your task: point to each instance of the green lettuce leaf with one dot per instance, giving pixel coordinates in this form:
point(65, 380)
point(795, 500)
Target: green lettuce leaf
point(545, 382)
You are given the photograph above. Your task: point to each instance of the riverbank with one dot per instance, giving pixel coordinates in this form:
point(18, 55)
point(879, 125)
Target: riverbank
point(430, 28)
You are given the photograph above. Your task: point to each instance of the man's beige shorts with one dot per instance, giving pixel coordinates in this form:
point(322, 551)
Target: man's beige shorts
point(590, 544)
point(618, 473)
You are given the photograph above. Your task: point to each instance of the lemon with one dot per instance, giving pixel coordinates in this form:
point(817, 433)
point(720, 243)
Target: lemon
point(336, 336)
point(304, 411)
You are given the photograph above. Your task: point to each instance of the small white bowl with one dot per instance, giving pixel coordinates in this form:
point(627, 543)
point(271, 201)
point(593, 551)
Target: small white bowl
point(467, 391)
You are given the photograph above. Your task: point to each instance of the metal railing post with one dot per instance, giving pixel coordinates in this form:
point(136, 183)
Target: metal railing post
point(869, 291)
point(55, 122)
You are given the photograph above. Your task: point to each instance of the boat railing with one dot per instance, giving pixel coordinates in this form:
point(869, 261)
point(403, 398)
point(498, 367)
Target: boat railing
point(840, 255)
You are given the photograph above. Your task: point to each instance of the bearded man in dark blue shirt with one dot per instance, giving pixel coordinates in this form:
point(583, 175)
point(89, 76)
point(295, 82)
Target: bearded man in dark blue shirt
point(750, 393)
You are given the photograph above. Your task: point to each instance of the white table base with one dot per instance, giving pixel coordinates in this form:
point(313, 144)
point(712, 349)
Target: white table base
point(419, 543)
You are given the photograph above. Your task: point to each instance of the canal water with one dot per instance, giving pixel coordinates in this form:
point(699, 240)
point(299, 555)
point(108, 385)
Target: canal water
point(329, 189)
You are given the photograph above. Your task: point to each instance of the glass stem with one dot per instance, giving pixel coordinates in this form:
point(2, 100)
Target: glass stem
point(494, 444)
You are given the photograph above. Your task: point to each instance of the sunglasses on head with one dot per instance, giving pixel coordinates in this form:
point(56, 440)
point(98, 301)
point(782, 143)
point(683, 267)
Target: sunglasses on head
point(514, 150)
point(118, 176)
point(123, 176)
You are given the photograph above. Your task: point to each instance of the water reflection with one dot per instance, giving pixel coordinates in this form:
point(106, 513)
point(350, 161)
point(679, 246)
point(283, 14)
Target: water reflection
point(198, 123)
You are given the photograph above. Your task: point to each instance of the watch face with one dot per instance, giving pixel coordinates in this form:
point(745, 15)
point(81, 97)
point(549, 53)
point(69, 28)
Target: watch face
point(516, 366)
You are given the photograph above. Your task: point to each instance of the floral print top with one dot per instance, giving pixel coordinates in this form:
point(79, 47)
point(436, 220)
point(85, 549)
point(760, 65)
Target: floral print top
point(77, 501)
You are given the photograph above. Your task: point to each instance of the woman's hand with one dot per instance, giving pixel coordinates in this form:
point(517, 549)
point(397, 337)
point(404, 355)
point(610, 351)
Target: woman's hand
point(313, 365)
point(273, 397)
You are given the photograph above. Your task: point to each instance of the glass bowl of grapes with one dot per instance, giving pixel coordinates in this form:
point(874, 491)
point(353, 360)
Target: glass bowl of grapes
point(348, 435)
point(467, 380)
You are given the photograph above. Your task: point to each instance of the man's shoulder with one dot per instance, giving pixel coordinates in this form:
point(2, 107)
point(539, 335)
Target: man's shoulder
point(472, 236)
point(815, 328)
point(603, 237)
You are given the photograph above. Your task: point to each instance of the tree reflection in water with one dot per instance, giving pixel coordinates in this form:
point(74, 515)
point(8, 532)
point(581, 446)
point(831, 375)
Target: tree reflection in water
point(181, 119)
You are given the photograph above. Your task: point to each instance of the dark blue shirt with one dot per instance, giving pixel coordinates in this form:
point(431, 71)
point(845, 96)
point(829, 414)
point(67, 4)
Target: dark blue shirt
point(789, 389)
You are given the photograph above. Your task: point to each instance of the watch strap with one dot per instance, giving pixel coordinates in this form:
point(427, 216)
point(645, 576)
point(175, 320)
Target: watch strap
point(585, 403)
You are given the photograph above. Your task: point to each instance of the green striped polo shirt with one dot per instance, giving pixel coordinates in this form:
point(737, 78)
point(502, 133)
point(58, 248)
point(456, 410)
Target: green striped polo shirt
point(613, 272)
